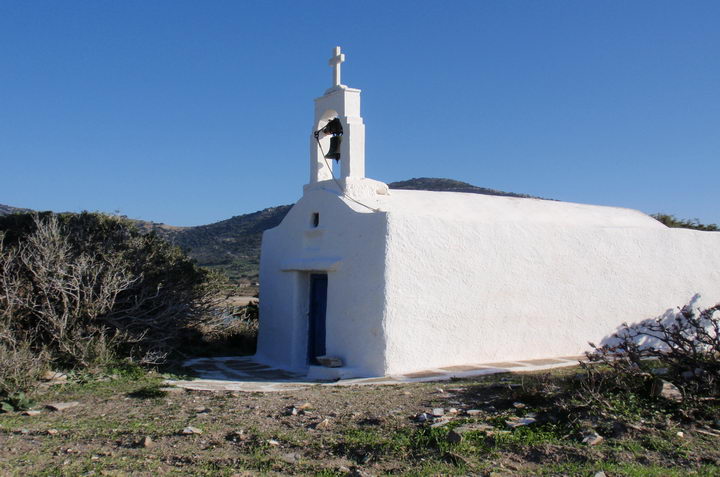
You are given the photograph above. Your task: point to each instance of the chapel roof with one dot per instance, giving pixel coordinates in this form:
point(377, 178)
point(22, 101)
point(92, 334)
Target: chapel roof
point(479, 208)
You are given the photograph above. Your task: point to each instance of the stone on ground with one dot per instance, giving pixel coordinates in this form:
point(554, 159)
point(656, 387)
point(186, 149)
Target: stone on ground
point(666, 390)
point(190, 430)
point(592, 438)
point(61, 406)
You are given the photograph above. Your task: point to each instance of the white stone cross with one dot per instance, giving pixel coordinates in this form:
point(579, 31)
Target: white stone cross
point(335, 63)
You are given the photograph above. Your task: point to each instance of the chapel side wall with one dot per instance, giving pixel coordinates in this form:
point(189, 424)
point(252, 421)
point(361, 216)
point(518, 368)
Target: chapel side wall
point(353, 244)
point(463, 293)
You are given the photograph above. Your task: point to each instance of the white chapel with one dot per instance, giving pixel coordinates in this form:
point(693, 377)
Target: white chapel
point(378, 282)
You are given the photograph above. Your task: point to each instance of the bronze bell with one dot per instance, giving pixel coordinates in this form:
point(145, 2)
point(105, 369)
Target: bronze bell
point(334, 152)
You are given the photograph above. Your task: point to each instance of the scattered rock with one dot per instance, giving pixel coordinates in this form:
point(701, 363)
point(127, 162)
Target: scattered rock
point(290, 458)
point(600, 474)
point(438, 411)
point(324, 424)
point(440, 422)
point(680, 434)
point(330, 361)
point(666, 390)
point(147, 442)
point(52, 432)
point(61, 406)
point(300, 409)
point(452, 410)
point(519, 405)
point(592, 438)
point(659, 371)
point(423, 417)
point(55, 376)
point(515, 422)
point(273, 442)
point(190, 430)
point(236, 436)
point(456, 435)
point(473, 412)
point(32, 412)
point(201, 409)
point(357, 472)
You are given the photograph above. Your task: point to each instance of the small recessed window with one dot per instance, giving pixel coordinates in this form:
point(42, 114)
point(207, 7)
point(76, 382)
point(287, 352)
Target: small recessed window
point(315, 219)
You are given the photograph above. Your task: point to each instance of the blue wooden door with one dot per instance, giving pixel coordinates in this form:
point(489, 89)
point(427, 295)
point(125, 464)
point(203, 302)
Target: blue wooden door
point(318, 305)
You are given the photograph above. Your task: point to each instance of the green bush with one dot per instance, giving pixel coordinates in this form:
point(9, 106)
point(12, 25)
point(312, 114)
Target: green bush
point(672, 221)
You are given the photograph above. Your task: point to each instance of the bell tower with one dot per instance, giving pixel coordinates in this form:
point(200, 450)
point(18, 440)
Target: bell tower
point(343, 103)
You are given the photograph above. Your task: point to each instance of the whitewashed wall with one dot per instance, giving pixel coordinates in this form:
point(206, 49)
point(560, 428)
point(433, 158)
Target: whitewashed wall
point(476, 279)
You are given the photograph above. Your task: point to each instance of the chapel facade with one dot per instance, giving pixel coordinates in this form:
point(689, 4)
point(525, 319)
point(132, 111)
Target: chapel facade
point(359, 280)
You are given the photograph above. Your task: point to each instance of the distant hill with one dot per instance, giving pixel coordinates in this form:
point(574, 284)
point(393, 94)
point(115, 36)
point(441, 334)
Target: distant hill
point(449, 185)
point(6, 210)
point(233, 245)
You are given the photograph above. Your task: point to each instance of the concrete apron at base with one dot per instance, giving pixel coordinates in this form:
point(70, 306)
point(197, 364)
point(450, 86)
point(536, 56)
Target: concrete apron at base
point(242, 374)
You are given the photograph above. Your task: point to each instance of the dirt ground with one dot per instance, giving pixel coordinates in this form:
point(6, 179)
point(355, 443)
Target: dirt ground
point(132, 425)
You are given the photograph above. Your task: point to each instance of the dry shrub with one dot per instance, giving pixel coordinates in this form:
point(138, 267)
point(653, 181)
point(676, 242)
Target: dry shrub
point(684, 349)
point(21, 367)
point(89, 288)
point(53, 297)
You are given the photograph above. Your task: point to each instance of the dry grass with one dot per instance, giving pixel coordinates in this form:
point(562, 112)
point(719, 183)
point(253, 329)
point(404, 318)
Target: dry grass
point(370, 429)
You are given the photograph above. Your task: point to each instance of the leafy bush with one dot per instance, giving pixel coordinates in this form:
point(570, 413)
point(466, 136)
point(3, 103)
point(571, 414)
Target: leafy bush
point(89, 287)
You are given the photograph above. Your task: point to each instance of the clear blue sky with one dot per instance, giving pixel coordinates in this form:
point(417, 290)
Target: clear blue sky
point(192, 112)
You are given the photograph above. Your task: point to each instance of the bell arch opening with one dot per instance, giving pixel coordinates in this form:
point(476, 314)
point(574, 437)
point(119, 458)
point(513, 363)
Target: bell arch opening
point(321, 146)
